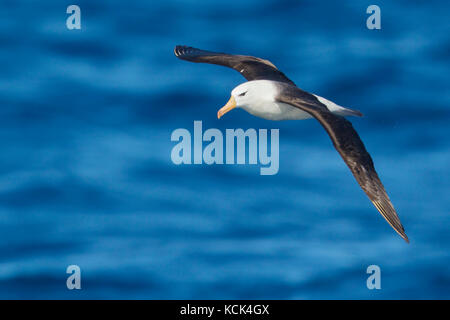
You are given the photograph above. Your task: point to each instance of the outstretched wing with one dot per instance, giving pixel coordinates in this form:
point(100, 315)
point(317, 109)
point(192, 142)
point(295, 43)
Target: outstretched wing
point(251, 68)
point(349, 145)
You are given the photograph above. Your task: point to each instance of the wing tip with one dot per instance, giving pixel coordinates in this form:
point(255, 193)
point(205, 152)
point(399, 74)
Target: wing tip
point(397, 226)
point(184, 51)
point(404, 236)
point(400, 230)
point(180, 50)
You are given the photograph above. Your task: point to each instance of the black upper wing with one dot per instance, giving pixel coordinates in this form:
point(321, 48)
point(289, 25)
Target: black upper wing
point(251, 68)
point(349, 145)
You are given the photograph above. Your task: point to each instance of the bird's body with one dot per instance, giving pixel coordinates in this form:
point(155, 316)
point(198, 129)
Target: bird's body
point(273, 110)
point(269, 94)
point(260, 101)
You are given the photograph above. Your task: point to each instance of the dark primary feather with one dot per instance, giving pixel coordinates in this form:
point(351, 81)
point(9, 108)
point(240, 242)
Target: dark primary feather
point(349, 145)
point(251, 68)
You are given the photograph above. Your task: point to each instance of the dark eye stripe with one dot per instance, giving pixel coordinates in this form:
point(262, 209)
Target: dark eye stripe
point(242, 94)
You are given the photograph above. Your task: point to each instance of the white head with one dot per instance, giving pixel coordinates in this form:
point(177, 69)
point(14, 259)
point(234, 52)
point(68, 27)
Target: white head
point(250, 95)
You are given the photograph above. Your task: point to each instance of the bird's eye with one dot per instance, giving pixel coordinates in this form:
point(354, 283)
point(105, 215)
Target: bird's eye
point(242, 94)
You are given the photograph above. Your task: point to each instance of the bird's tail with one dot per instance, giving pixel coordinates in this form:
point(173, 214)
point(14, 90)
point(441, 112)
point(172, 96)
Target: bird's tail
point(348, 112)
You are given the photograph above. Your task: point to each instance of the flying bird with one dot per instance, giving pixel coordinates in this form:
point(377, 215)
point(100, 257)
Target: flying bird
point(269, 94)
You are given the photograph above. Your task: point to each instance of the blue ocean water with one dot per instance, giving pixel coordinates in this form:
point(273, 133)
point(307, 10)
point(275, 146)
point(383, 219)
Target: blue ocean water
point(86, 176)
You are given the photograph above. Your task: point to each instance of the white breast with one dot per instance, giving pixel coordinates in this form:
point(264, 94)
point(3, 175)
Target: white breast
point(276, 111)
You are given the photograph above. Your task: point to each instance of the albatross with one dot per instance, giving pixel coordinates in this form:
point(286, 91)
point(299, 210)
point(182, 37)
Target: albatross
point(269, 94)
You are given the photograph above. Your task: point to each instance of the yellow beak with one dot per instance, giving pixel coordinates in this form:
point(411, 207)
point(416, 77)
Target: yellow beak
point(231, 104)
